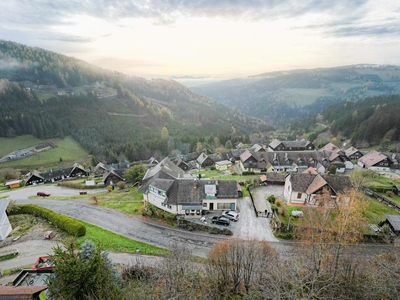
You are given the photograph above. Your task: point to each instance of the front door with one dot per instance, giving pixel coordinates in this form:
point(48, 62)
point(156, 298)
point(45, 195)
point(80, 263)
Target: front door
point(211, 206)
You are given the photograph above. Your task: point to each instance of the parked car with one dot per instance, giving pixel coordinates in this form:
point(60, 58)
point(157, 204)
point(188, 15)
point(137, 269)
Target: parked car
point(83, 192)
point(231, 215)
point(220, 220)
point(43, 194)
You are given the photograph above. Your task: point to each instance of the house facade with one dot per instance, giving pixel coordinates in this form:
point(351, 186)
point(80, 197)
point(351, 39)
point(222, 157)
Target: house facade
point(375, 161)
point(304, 187)
point(5, 225)
point(302, 145)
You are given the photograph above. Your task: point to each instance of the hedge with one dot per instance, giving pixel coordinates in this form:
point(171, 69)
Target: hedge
point(70, 225)
point(80, 186)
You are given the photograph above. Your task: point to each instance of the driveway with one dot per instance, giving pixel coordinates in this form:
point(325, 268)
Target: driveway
point(261, 193)
point(251, 227)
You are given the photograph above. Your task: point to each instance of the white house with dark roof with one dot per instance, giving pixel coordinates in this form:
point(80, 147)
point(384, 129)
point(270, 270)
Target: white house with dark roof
point(167, 187)
point(301, 188)
point(5, 225)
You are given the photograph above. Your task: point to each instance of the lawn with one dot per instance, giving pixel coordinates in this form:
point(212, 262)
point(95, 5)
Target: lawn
point(9, 145)
point(376, 211)
point(114, 242)
point(127, 202)
point(67, 149)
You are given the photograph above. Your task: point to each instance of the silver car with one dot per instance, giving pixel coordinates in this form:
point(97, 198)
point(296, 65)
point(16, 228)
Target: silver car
point(231, 215)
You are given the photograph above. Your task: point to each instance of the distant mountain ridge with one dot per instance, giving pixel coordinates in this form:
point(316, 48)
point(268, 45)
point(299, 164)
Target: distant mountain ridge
point(112, 115)
point(284, 97)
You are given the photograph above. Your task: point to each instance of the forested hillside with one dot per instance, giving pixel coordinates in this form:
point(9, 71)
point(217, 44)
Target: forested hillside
point(372, 121)
point(142, 118)
point(285, 97)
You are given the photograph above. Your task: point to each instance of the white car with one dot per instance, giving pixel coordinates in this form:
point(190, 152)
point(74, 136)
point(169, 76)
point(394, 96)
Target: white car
point(231, 215)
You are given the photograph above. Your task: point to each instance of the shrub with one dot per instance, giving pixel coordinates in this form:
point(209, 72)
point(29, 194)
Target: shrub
point(212, 168)
point(274, 208)
point(278, 202)
point(121, 185)
point(389, 193)
point(70, 225)
point(271, 199)
point(248, 173)
point(109, 188)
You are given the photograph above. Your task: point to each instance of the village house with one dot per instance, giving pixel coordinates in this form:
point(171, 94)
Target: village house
point(112, 177)
point(353, 153)
point(302, 145)
point(204, 161)
point(168, 188)
point(302, 188)
point(375, 161)
point(56, 175)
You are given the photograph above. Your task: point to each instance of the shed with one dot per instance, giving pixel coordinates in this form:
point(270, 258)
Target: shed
point(12, 184)
point(394, 223)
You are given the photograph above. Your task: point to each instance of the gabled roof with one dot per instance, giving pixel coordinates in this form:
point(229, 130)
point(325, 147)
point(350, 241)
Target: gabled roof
point(310, 170)
point(246, 155)
point(372, 158)
point(317, 183)
point(223, 162)
point(296, 144)
point(301, 182)
point(202, 157)
point(36, 174)
point(306, 183)
point(394, 220)
point(352, 150)
point(165, 169)
point(189, 191)
point(162, 184)
point(329, 147)
point(275, 143)
point(112, 171)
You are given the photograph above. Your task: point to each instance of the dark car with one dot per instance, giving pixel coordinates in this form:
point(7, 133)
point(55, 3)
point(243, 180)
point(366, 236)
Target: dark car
point(43, 194)
point(221, 220)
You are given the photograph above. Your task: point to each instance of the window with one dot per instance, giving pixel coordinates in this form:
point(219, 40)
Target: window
point(197, 211)
point(204, 204)
point(298, 195)
point(224, 206)
point(187, 212)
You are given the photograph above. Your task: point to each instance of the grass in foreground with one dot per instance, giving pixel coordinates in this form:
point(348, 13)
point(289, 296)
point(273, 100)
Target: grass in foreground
point(115, 242)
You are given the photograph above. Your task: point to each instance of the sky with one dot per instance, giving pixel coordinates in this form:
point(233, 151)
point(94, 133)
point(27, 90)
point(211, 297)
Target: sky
point(205, 39)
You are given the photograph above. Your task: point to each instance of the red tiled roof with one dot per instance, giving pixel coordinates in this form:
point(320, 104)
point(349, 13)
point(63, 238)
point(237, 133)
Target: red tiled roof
point(372, 158)
point(310, 170)
point(317, 183)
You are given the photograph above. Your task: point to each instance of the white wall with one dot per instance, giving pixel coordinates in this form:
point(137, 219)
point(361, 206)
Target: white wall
point(5, 226)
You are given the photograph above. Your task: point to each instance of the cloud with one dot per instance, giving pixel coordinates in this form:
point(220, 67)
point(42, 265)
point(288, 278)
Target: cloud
point(164, 12)
point(379, 30)
point(8, 64)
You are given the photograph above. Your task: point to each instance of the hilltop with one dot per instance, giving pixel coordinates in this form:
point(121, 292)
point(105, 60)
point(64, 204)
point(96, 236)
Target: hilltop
point(112, 115)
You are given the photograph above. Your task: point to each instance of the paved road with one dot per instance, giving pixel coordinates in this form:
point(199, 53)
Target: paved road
point(58, 191)
point(131, 227)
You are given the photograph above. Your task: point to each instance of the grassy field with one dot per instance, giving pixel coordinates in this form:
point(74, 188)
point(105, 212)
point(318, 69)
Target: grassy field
point(67, 149)
point(114, 242)
point(9, 145)
point(376, 211)
point(126, 202)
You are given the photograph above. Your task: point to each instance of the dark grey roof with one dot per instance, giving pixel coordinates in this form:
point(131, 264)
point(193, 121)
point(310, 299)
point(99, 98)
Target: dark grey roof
point(394, 221)
point(338, 183)
point(189, 191)
point(301, 182)
point(163, 184)
point(290, 144)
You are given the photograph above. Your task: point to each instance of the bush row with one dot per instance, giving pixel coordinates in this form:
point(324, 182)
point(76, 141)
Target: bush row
point(70, 225)
point(188, 225)
point(248, 173)
point(152, 211)
point(79, 186)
